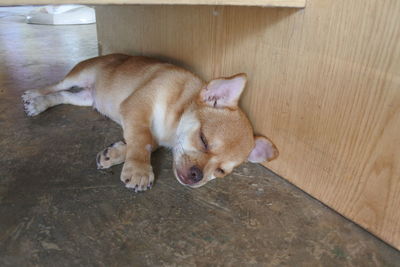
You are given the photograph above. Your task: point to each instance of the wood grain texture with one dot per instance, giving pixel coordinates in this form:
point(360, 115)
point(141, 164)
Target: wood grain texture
point(324, 84)
point(265, 3)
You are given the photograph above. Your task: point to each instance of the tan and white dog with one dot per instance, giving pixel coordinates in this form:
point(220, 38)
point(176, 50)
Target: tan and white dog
point(156, 104)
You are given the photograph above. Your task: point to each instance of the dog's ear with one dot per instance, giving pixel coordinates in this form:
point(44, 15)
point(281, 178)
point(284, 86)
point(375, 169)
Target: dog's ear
point(264, 150)
point(224, 92)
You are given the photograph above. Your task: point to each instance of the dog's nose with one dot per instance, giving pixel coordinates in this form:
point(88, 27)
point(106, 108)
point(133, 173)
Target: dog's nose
point(195, 174)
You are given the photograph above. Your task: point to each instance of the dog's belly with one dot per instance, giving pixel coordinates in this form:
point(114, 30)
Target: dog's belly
point(107, 108)
point(108, 100)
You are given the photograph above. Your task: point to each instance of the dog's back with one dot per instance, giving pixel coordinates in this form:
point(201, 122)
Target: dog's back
point(113, 78)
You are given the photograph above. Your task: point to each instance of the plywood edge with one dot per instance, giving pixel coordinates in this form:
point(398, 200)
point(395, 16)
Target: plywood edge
point(261, 3)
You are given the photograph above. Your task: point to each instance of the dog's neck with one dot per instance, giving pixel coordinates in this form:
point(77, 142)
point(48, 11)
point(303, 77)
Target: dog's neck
point(175, 114)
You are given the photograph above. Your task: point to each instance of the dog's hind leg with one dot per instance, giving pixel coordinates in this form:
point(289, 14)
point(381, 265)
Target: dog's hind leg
point(34, 106)
point(112, 155)
point(77, 77)
point(75, 89)
point(81, 76)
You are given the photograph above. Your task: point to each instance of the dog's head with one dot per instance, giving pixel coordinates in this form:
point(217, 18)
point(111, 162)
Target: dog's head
point(215, 136)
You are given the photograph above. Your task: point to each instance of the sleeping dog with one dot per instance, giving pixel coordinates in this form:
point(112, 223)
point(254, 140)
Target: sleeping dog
point(160, 104)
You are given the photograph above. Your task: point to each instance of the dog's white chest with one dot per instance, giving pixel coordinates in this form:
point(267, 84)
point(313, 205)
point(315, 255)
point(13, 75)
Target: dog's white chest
point(161, 125)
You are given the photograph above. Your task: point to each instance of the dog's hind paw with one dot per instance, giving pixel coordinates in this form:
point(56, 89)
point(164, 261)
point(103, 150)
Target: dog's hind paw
point(29, 95)
point(35, 106)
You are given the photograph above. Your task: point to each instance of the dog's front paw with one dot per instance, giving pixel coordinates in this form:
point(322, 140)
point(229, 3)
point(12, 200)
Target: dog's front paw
point(139, 178)
point(112, 155)
point(34, 106)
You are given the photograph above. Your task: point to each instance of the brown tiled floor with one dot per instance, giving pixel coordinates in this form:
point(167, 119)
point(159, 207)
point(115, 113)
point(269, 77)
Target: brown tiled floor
point(56, 209)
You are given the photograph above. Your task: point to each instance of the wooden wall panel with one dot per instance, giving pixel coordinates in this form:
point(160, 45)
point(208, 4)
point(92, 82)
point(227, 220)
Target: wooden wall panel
point(324, 84)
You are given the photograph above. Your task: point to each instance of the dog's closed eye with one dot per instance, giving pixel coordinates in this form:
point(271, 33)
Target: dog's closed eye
point(204, 141)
